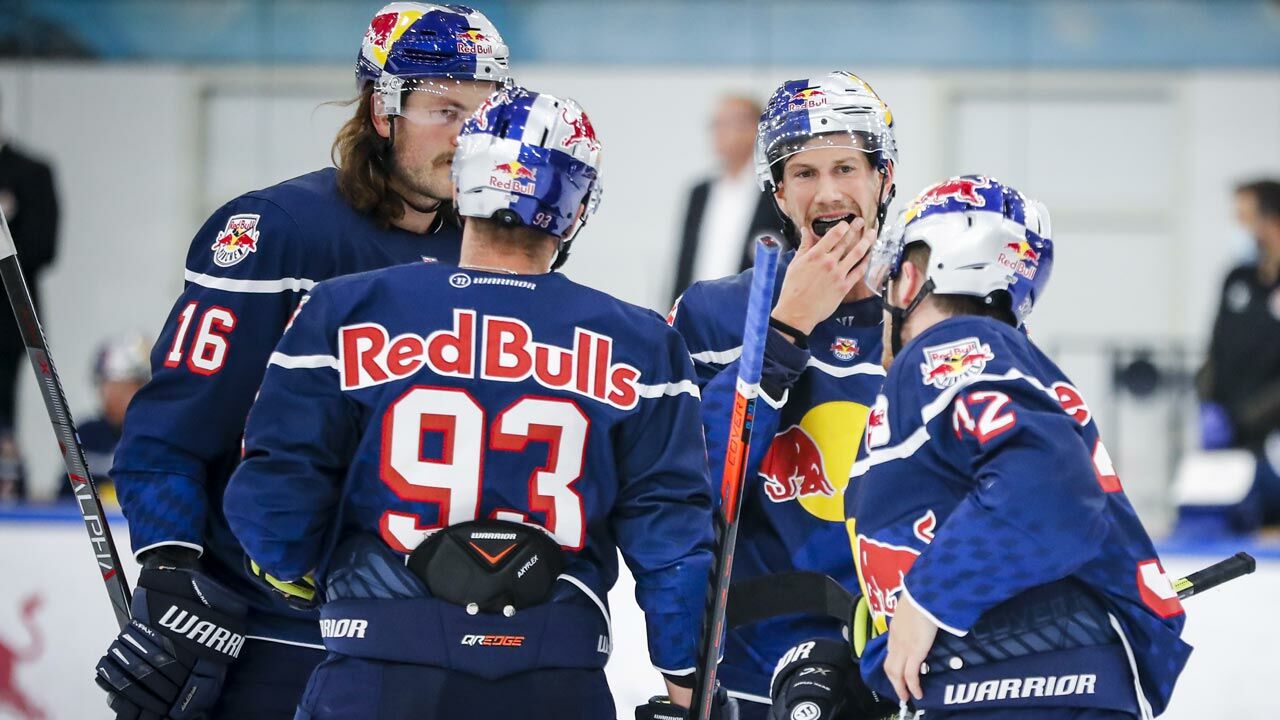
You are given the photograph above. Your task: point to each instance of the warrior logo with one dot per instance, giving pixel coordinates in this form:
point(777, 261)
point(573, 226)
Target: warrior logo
point(237, 240)
point(11, 696)
point(946, 364)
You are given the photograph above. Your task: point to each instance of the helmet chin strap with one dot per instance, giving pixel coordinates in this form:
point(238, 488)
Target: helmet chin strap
point(883, 209)
point(898, 316)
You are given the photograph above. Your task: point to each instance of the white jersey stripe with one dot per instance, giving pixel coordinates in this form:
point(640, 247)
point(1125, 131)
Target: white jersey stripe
point(724, 357)
point(249, 286)
point(298, 362)
point(678, 388)
point(719, 357)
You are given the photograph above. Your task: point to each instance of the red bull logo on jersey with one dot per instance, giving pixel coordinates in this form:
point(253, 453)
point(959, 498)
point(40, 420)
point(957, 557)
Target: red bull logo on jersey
point(514, 177)
point(582, 130)
point(492, 348)
point(844, 348)
point(1020, 257)
point(945, 365)
point(474, 42)
point(878, 424)
point(964, 189)
point(807, 98)
point(809, 462)
point(237, 240)
point(882, 570)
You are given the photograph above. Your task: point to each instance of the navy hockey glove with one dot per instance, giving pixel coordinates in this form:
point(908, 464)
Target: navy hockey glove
point(659, 707)
point(171, 659)
point(819, 679)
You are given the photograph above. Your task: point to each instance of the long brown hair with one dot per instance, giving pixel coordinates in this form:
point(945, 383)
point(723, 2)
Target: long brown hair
point(364, 172)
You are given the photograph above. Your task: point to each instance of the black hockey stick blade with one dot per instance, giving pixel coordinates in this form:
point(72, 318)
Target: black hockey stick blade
point(1237, 565)
point(64, 427)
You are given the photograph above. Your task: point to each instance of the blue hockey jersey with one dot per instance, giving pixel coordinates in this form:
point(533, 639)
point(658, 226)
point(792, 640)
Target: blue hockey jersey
point(804, 441)
point(983, 482)
point(245, 272)
point(408, 399)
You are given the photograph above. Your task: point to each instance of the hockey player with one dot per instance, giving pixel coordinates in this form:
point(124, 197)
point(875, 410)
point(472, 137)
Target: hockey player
point(826, 150)
point(505, 429)
point(994, 541)
point(422, 69)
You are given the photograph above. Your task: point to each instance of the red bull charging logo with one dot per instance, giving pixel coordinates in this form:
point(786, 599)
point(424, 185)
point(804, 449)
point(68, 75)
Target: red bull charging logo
point(474, 42)
point(514, 177)
point(582, 131)
point(13, 698)
point(809, 462)
point(807, 98)
point(964, 189)
point(882, 570)
point(379, 33)
point(237, 240)
point(947, 364)
point(1020, 257)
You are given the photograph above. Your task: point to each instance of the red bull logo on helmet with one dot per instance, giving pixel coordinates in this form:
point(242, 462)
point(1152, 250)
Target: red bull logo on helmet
point(1020, 257)
point(807, 98)
point(379, 33)
point(474, 42)
point(963, 189)
point(237, 240)
point(945, 365)
point(582, 131)
point(513, 176)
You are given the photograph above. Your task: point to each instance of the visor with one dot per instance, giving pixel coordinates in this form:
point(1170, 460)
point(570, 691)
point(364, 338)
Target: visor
point(886, 258)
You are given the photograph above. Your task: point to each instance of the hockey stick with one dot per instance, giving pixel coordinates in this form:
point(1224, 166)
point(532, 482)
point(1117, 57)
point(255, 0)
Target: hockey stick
point(55, 401)
point(1237, 565)
point(759, 304)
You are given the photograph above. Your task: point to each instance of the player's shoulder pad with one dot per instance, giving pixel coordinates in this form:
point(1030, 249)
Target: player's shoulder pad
point(710, 313)
point(276, 233)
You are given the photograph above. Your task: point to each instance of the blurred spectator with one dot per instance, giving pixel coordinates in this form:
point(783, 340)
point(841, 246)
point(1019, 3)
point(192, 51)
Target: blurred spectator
point(1240, 383)
point(121, 369)
point(31, 207)
point(725, 212)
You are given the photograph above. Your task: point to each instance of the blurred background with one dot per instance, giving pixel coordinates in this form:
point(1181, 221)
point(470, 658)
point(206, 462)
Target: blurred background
point(1140, 123)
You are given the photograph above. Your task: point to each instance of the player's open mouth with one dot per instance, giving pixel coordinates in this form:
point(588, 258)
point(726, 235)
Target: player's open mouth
point(823, 225)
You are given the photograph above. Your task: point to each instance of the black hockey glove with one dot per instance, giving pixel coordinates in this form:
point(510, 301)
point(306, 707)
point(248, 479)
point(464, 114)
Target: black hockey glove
point(659, 707)
point(819, 679)
point(171, 659)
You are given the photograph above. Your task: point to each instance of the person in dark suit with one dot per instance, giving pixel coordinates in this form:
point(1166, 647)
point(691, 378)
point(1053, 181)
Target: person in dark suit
point(30, 204)
point(725, 212)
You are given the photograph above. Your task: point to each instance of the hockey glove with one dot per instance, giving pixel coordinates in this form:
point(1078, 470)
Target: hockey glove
point(660, 707)
point(170, 661)
point(819, 679)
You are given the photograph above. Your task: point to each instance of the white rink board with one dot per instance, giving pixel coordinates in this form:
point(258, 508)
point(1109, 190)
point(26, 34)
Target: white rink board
point(1235, 629)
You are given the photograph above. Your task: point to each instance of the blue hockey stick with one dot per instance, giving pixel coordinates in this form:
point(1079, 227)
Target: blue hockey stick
point(759, 305)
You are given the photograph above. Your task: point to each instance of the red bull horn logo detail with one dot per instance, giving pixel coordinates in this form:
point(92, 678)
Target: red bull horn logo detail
point(945, 365)
point(963, 189)
point(809, 462)
point(583, 132)
point(379, 33)
point(474, 42)
point(844, 348)
point(807, 98)
point(237, 240)
point(514, 177)
point(12, 697)
point(1020, 257)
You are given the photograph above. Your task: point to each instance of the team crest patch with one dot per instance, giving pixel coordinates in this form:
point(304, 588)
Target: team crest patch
point(945, 365)
point(844, 348)
point(237, 240)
